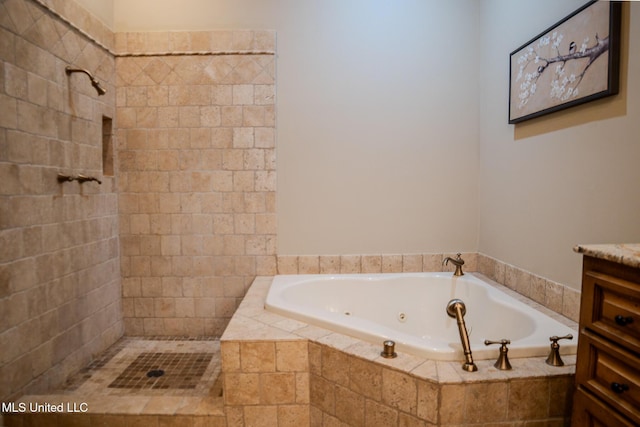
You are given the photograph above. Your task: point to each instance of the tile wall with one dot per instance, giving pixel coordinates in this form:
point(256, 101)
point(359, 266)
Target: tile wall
point(196, 155)
point(59, 264)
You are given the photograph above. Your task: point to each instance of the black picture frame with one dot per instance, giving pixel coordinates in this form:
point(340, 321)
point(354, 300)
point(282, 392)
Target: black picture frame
point(576, 60)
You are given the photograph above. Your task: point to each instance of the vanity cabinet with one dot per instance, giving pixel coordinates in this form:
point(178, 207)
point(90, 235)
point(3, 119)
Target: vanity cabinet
point(608, 360)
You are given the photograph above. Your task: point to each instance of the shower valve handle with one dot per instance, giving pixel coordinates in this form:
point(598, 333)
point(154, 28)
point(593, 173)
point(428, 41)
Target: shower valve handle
point(554, 339)
point(554, 358)
point(503, 360)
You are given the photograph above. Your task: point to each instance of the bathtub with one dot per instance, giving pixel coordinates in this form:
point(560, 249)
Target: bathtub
point(410, 309)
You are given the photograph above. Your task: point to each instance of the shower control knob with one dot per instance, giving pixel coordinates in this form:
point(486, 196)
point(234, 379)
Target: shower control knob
point(554, 358)
point(388, 351)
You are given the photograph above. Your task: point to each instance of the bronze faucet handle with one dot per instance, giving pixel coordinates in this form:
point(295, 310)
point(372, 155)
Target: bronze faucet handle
point(554, 358)
point(503, 360)
point(502, 342)
point(554, 339)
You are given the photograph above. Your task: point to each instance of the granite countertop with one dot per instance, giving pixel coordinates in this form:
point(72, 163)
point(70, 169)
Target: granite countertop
point(623, 253)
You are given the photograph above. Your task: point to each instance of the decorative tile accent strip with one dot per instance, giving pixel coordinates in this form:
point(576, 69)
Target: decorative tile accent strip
point(207, 43)
point(196, 53)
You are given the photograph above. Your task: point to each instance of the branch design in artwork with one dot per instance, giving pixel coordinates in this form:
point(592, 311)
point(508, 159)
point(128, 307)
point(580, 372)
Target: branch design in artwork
point(563, 86)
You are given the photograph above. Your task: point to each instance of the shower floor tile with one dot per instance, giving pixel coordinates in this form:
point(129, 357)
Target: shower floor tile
point(126, 379)
point(164, 371)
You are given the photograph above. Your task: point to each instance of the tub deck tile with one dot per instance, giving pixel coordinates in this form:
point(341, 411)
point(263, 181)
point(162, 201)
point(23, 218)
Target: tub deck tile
point(444, 394)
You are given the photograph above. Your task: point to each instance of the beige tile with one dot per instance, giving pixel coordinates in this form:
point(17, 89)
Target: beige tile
point(528, 399)
point(163, 405)
point(350, 264)
point(365, 378)
point(316, 417)
point(307, 264)
point(560, 395)
point(335, 366)
point(377, 414)
point(235, 416)
point(486, 402)
point(571, 303)
point(315, 359)
point(554, 293)
point(329, 264)
point(277, 388)
point(257, 357)
point(131, 405)
point(412, 263)
point(302, 387)
point(241, 389)
point(322, 394)
point(292, 356)
point(261, 416)
point(538, 288)
point(287, 264)
point(428, 398)
point(432, 262)
point(293, 415)
point(399, 391)
point(349, 406)
point(371, 264)
point(391, 263)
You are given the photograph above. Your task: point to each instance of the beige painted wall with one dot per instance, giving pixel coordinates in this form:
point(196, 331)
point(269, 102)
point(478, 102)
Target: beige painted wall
point(563, 179)
point(101, 9)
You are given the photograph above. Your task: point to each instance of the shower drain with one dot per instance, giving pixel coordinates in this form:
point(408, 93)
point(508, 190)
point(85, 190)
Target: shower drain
point(155, 373)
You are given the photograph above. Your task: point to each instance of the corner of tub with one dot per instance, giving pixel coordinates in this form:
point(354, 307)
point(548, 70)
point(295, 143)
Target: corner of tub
point(250, 320)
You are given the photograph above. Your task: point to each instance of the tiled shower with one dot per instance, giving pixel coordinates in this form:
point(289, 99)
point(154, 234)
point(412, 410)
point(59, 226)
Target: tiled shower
point(184, 217)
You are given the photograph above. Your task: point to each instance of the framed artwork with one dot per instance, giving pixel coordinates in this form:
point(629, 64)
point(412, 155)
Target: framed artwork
point(574, 61)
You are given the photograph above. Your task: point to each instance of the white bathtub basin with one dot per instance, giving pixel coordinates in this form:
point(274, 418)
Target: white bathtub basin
point(410, 309)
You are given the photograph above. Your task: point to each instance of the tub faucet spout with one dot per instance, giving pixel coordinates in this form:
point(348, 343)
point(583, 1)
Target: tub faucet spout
point(457, 261)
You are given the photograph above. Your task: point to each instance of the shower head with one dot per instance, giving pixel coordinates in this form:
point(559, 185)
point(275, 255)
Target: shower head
point(95, 83)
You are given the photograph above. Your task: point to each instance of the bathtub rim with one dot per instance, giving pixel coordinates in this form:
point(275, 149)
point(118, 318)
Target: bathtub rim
point(252, 324)
point(406, 343)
